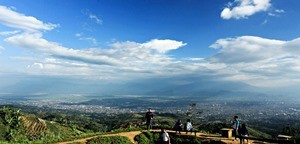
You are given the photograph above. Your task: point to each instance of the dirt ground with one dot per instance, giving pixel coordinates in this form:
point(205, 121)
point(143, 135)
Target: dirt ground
point(132, 134)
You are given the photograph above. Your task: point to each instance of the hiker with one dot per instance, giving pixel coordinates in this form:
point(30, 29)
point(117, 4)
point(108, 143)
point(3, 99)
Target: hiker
point(149, 118)
point(235, 125)
point(188, 126)
point(165, 138)
point(178, 126)
point(243, 132)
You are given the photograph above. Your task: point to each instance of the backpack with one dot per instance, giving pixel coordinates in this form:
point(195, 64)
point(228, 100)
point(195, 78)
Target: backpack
point(235, 124)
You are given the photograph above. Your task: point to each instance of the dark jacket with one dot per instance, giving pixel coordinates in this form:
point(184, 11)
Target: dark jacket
point(243, 131)
point(149, 116)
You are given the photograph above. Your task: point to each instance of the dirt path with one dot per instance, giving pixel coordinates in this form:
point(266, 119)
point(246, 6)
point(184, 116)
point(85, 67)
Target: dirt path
point(132, 134)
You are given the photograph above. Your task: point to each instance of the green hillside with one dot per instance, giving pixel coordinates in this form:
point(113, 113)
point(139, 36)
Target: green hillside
point(18, 127)
point(53, 126)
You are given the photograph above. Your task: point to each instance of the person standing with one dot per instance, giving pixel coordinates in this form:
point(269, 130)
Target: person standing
point(149, 118)
point(235, 125)
point(165, 138)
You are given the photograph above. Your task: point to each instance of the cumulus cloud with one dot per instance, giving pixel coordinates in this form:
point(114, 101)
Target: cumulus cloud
point(13, 19)
point(247, 59)
point(246, 49)
point(128, 56)
point(258, 61)
point(163, 46)
point(244, 8)
point(253, 60)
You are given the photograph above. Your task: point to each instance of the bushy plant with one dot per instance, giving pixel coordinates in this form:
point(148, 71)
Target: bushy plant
point(12, 124)
point(109, 140)
point(142, 139)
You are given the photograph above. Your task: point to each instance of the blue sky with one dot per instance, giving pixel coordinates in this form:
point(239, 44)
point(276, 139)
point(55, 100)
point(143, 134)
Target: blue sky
point(248, 41)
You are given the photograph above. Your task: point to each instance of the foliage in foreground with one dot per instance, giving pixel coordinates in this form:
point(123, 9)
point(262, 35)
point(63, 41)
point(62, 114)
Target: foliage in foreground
point(109, 140)
point(17, 127)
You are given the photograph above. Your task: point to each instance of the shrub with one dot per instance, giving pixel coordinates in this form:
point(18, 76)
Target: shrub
point(109, 140)
point(142, 139)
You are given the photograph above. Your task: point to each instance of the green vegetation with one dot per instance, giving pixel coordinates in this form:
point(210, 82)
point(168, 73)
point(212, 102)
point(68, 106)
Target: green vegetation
point(213, 128)
point(109, 140)
point(18, 127)
point(258, 134)
point(11, 125)
point(41, 125)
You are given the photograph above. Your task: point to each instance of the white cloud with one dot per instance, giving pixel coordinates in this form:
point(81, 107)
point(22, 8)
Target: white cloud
point(271, 14)
point(245, 8)
point(163, 46)
point(95, 18)
point(193, 59)
point(38, 65)
point(13, 19)
point(247, 59)
point(125, 56)
point(279, 11)
point(92, 40)
point(258, 61)
point(246, 49)
point(8, 33)
point(92, 16)
point(35, 41)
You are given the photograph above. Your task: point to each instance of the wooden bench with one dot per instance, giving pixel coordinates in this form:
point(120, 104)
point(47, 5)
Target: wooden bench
point(227, 132)
point(283, 137)
point(192, 131)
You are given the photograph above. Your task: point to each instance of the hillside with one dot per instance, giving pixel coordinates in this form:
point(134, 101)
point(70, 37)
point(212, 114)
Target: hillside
point(17, 126)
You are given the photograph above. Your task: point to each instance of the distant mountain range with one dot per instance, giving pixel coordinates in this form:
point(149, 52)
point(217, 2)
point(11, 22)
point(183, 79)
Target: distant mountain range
point(209, 88)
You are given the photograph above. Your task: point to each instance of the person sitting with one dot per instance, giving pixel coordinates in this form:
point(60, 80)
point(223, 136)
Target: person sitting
point(178, 126)
point(188, 126)
point(243, 132)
